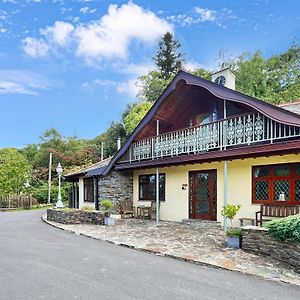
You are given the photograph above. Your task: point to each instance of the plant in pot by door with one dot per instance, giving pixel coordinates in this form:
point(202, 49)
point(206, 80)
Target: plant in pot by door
point(233, 234)
point(108, 205)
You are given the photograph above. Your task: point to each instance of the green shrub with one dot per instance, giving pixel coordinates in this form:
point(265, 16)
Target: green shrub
point(285, 229)
point(234, 232)
point(107, 204)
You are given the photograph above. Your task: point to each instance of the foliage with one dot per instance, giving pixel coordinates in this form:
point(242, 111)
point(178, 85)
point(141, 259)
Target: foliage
point(229, 211)
point(109, 139)
point(87, 208)
point(108, 206)
point(168, 59)
point(135, 115)
point(274, 80)
point(285, 229)
point(205, 74)
point(233, 232)
point(14, 171)
point(40, 192)
point(151, 86)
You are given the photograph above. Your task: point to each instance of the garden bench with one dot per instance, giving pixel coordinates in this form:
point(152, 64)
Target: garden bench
point(275, 211)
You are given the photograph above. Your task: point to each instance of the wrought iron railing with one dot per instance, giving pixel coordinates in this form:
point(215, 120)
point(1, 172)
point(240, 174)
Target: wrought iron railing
point(240, 130)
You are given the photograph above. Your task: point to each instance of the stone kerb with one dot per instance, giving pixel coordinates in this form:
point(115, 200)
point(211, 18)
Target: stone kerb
point(75, 216)
point(256, 240)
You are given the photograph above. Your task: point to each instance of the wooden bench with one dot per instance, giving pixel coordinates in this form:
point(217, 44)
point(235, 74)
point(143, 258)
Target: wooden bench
point(275, 211)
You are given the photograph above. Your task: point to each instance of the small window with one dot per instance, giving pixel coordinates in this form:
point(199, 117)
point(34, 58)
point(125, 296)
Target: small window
point(147, 187)
point(88, 190)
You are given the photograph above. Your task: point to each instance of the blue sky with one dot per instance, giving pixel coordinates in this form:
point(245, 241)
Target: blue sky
point(72, 64)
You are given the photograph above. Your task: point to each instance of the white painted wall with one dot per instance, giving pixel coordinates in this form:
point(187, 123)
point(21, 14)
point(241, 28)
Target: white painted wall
point(81, 195)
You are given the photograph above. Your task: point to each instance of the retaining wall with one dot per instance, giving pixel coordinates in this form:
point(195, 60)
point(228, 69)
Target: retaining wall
point(75, 216)
point(256, 240)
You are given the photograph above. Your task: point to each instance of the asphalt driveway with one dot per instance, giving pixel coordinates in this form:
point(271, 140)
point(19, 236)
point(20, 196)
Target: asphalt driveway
point(38, 261)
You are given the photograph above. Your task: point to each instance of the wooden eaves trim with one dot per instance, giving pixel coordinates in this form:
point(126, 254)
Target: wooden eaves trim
point(290, 147)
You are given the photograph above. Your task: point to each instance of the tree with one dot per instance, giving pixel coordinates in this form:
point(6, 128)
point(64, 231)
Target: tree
point(14, 171)
point(168, 59)
point(151, 86)
point(200, 72)
point(109, 138)
point(135, 115)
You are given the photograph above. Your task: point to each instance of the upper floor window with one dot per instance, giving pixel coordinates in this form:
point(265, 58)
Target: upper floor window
point(276, 184)
point(88, 189)
point(204, 118)
point(147, 187)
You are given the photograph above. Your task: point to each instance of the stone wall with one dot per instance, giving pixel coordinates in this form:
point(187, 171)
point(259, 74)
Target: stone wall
point(256, 240)
point(75, 216)
point(116, 186)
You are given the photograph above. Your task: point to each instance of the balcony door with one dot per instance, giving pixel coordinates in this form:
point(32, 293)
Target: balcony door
point(203, 195)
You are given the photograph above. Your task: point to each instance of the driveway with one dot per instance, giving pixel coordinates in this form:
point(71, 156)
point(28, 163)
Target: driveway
point(38, 261)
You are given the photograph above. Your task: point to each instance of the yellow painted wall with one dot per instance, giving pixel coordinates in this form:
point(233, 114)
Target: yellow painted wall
point(175, 208)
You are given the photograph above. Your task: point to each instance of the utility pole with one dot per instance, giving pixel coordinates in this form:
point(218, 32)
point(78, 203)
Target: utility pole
point(49, 178)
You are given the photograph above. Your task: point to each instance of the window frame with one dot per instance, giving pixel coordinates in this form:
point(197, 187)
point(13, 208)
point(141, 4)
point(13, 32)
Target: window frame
point(271, 178)
point(88, 189)
point(147, 198)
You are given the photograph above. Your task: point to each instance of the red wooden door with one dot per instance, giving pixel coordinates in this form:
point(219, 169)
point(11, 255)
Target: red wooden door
point(203, 195)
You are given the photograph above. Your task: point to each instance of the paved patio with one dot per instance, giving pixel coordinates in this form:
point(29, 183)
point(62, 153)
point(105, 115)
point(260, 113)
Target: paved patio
point(189, 242)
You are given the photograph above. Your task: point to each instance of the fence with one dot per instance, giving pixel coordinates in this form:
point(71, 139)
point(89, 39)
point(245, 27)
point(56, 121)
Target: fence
point(17, 201)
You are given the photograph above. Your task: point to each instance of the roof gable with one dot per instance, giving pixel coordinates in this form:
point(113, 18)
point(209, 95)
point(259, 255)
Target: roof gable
point(182, 78)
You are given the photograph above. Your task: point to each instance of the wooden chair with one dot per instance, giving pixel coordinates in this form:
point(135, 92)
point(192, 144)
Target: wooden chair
point(125, 209)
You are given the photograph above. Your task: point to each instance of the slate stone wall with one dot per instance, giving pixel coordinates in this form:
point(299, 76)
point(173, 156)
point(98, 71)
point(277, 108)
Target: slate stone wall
point(75, 216)
point(116, 186)
point(256, 240)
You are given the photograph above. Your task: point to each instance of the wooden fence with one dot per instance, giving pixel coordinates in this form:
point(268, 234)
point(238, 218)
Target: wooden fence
point(17, 201)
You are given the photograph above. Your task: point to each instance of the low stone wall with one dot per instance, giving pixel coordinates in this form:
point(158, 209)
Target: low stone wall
point(75, 216)
point(256, 240)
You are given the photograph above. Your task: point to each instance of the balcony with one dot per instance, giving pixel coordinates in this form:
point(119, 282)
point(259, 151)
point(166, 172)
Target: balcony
point(236, 131)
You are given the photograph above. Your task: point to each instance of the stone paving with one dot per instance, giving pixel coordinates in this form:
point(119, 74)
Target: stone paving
point(190, 242)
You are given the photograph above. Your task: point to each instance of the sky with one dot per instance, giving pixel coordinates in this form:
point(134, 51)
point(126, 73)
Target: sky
point(73, 64)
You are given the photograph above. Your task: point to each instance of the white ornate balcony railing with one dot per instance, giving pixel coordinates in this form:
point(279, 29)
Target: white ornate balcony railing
point(240, 130)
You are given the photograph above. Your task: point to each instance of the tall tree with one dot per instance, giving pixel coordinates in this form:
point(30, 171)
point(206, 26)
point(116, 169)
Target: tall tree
point(14, 171)
point(168, 59)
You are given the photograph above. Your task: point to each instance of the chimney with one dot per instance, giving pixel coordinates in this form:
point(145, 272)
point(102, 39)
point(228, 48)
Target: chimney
point(224, 77)
point(119, 144)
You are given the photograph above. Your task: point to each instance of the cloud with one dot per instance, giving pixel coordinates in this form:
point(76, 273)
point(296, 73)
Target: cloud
point(22, 82)
point(128, 87)
point(205, 14)
point(35, 47)
point(107, 38)
point(201, 15)
point(59, 33)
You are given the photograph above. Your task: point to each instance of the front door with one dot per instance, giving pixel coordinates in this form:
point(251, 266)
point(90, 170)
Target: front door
point(203, 195)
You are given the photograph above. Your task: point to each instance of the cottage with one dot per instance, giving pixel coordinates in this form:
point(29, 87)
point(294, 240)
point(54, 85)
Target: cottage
point(208, 145)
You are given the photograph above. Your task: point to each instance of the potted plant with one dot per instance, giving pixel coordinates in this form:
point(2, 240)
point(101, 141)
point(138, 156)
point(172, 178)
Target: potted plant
point(108, 205)
point(233, 234)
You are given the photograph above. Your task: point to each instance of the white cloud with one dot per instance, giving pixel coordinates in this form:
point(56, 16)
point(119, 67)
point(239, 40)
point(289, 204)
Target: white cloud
point(205, 14)
point(201, 15)
point(122, 87)
point(34, 47)
point(84, 10)
point(59, 33)
point(22, 82)
point(109, 37)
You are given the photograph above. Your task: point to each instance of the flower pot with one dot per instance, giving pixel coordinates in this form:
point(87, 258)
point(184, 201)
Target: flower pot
point(108, 221)
point(233, 242)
